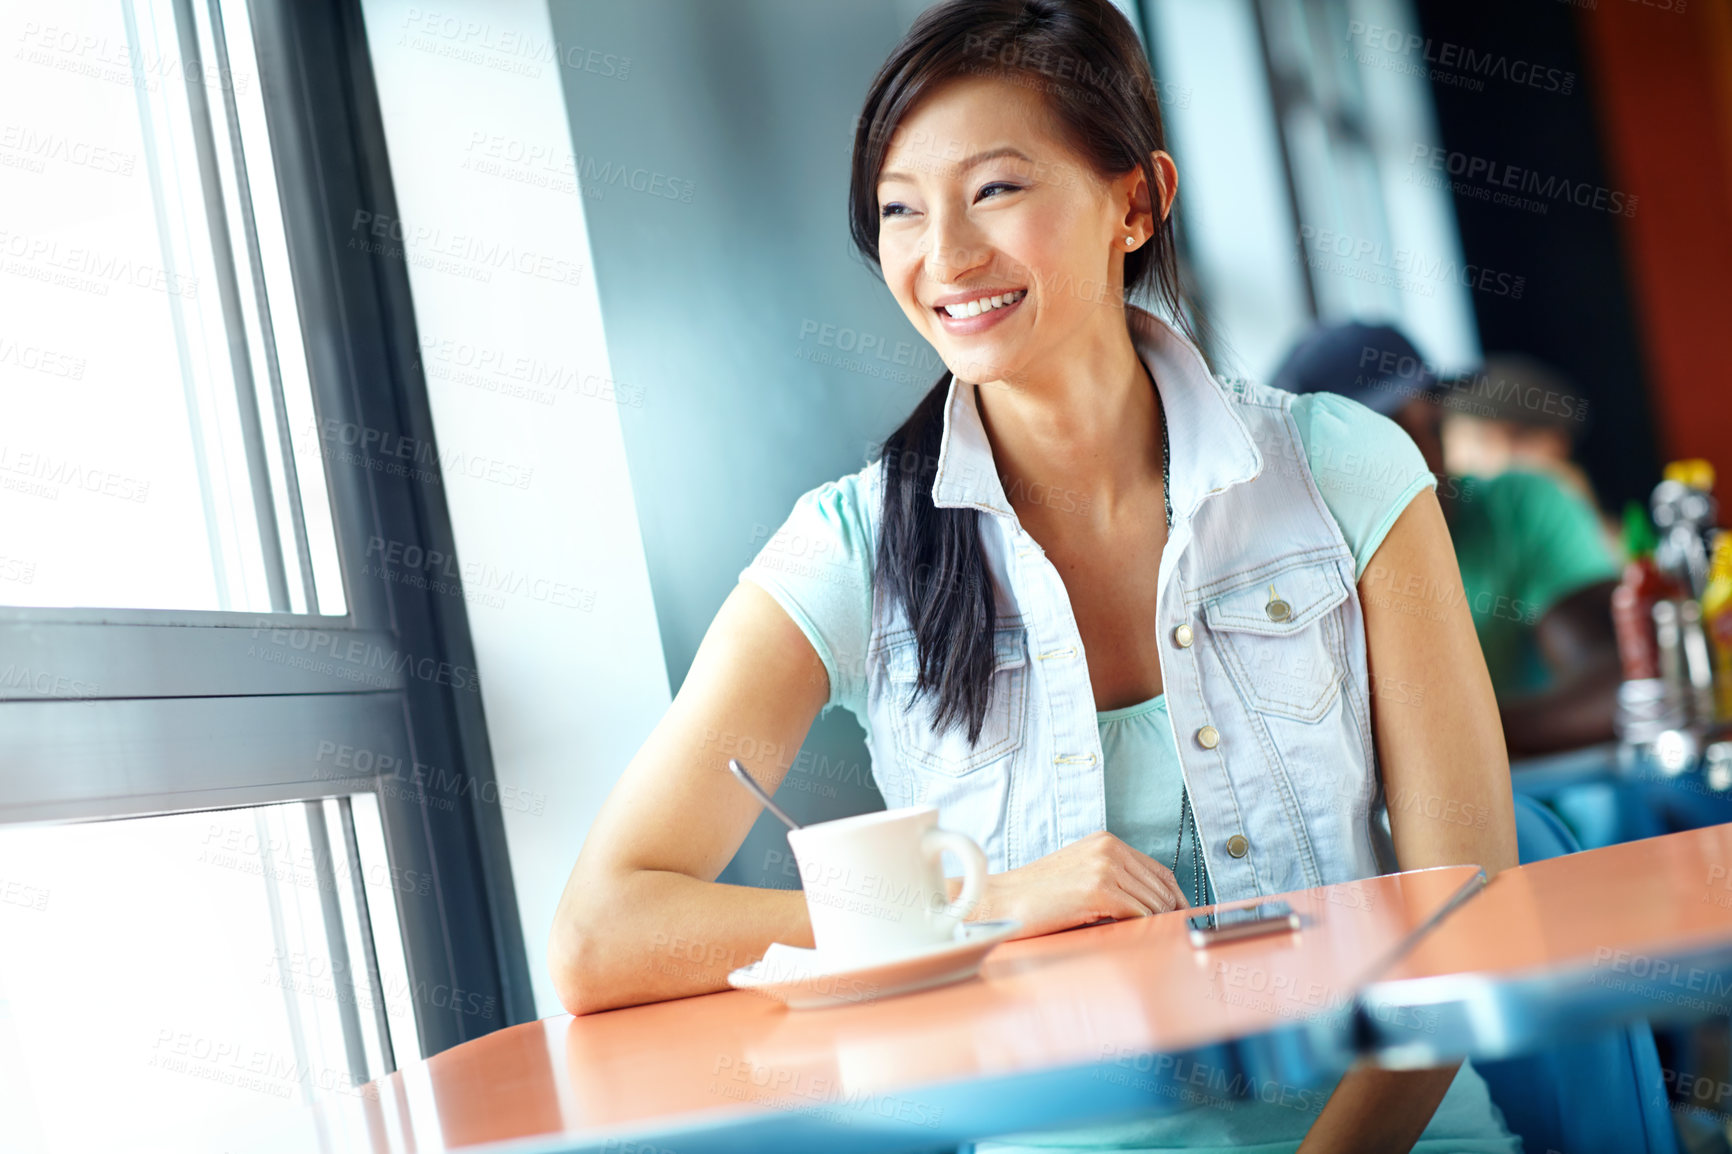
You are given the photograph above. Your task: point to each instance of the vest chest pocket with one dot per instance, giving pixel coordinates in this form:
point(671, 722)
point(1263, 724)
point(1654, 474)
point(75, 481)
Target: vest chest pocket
point(1280, 639)
point(949, 753)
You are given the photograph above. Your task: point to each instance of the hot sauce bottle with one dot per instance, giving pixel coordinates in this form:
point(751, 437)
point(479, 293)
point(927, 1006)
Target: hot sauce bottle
point(1633, 601)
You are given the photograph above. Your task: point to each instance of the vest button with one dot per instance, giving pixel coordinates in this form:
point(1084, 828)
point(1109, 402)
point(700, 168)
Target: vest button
point(1237, 846)
point(1182, 637)
point(1208, 737)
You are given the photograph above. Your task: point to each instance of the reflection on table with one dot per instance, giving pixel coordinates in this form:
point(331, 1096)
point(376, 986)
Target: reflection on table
point(1563, 947)
point(1054, 1031)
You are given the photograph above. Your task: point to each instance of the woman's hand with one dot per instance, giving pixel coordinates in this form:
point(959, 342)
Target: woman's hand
point(1096, 877)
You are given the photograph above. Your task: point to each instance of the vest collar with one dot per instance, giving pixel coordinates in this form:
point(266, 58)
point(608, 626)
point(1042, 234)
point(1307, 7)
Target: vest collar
point(1212, 449)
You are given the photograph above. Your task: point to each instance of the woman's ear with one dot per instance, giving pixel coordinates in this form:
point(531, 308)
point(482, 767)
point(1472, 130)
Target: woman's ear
point(1142, 200)
point(1167, 173)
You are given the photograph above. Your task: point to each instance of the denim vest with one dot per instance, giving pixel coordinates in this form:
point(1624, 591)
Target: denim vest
point(1262, 656)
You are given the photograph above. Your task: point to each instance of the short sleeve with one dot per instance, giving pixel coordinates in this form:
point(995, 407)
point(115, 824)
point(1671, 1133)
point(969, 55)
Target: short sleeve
point(1557, 533)
point(1366, 467)
point(818, 567)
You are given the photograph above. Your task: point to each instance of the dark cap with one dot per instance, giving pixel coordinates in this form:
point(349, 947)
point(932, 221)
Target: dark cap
point(1521, 390)
point(1372, 364)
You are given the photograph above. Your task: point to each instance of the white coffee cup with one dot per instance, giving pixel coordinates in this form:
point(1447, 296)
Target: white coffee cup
point(875, 886)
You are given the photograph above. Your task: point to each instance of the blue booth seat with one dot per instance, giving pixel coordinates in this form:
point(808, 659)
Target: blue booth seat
point(1600, 1093)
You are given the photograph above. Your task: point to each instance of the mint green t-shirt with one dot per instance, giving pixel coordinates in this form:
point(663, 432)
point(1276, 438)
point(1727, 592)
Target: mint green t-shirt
point(1524, 543)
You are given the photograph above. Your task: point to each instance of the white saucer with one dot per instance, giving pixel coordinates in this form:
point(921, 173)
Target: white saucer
point(801, 979)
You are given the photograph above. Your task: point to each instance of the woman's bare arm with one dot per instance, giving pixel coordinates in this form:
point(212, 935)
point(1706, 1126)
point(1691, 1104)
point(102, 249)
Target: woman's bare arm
point(1445, 772)
point(1439, 741)
point(642, 917)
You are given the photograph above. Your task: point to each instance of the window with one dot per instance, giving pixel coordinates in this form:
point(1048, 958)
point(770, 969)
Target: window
point(154, 391)
point(245, 793)
point(225, 958)
point(1378, 239)
point(1317, 211)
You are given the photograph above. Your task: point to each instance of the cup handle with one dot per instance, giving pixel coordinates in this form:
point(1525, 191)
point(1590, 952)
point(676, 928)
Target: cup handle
point(933, 845)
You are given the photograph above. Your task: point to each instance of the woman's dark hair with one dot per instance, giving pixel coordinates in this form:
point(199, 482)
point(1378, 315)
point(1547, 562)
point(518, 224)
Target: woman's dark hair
point(1085, 58)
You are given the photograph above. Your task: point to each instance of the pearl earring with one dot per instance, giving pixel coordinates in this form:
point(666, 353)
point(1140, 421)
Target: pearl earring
point(1130, 240)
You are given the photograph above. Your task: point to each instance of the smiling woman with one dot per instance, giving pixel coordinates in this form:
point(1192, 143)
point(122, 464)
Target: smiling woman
point(1154, 691)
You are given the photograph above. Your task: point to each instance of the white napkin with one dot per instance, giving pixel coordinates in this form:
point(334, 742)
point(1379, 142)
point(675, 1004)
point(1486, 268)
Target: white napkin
point(782, 963)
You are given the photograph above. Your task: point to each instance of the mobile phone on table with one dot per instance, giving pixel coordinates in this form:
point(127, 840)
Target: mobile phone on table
point(1232, 925)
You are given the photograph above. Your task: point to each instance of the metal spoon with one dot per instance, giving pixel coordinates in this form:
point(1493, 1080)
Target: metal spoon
point(759, 792)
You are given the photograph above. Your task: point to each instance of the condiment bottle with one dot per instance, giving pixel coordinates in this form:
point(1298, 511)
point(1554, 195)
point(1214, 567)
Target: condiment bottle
point(1633, 601)
point(1717, 619)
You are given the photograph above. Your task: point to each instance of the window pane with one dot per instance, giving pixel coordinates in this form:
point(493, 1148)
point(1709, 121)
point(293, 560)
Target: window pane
point(151, 359)
point(185, 965)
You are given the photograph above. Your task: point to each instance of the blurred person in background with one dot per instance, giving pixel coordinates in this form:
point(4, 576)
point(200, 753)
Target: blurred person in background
point(1517, 412)
point(1535, 566)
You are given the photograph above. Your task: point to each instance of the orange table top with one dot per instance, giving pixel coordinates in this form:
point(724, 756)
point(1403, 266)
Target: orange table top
point(1041, 1006)
point(1635, 930)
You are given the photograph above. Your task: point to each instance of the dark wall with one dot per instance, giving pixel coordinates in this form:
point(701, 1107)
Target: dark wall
point(1577, 312)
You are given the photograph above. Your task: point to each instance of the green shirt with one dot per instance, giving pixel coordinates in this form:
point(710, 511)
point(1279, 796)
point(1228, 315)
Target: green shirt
point(1524, 543)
